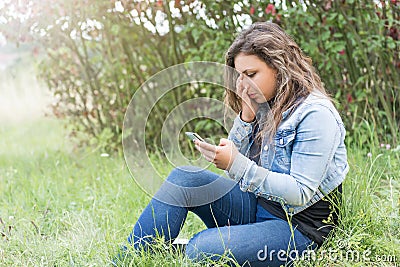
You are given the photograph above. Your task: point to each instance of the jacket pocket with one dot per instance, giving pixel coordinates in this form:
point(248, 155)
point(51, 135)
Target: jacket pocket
point(284, 145)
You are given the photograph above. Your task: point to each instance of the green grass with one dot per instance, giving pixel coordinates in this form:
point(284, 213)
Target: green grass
point(369, 230)
point(63, 206)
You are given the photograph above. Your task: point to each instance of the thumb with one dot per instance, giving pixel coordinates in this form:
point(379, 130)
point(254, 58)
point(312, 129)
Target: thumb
point(223, 142)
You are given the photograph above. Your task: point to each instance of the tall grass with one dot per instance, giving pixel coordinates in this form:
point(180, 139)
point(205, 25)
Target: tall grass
point(369, 229)
point(61, 206)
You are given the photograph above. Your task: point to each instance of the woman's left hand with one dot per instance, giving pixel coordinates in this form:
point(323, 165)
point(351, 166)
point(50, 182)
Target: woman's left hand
point(222, 155)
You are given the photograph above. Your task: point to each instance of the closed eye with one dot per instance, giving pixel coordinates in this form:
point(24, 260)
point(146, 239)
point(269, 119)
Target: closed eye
point(250, 74)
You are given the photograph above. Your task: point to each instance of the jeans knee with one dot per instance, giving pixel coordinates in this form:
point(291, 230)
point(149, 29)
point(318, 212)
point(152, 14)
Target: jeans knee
point(204, 246)
point(187, 176)
point(195, 249)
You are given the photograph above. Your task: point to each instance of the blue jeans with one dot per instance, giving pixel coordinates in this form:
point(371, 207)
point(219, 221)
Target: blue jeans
point(237, 226)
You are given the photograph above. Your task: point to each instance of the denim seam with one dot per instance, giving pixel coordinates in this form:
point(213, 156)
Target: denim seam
point(227, 215)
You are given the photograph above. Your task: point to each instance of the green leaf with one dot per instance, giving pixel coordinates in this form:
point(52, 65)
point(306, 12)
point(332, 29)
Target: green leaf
point(325, 35)
point(311, 20)
point(338, 35)
point(391, 44)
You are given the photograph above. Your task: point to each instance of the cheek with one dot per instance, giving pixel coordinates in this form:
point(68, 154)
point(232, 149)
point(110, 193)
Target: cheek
point(264, 86)
point(260, 85)
point(267, 88)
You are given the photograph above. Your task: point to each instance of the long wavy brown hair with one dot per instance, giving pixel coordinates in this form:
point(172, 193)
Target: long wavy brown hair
point(296, 77)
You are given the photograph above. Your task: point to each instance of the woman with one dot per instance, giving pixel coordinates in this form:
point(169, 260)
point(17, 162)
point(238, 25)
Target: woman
point(285, 155)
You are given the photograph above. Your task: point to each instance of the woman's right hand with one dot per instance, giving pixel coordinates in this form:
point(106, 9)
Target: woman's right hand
point(249, 106)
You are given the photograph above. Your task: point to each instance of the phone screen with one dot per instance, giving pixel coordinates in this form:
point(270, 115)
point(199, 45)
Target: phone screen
point(193, 136)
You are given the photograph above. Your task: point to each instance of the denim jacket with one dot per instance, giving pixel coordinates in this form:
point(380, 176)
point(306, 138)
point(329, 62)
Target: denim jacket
point(306, 160)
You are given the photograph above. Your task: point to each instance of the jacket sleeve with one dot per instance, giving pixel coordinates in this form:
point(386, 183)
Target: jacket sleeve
point(317, 137)
point(240, 134)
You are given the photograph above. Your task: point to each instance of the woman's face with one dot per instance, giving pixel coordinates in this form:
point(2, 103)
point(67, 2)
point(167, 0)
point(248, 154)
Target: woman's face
point(263, 78)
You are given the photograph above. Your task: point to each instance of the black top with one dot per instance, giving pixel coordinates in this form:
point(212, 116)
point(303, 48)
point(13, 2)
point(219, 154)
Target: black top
point(315, 221)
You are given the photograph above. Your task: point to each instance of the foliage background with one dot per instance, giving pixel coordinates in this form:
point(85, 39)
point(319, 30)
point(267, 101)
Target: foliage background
point(97, 53)
point(61, 208)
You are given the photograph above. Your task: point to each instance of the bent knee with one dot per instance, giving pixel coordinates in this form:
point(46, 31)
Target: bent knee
point(205, 245)
point(185, 170)
point(189, 176)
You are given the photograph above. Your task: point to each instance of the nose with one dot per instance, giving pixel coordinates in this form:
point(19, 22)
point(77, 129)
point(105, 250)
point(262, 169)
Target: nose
point(246, 82)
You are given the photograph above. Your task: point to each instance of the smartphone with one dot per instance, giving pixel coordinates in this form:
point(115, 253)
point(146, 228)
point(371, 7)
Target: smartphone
point(194, 136)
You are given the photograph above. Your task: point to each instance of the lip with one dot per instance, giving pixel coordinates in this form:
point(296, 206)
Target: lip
point(252, 95)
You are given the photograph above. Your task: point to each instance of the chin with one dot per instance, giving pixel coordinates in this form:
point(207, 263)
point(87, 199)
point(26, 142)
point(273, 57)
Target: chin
point(260, 100)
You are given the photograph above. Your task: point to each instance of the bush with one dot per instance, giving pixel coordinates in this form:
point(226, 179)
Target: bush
point(355, 46)
point(107, 53)
point(100, 52)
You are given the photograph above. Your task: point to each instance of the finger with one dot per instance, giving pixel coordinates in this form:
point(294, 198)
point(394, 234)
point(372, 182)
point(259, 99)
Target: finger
point(239, 85)
point(209, 159)
point(206, 146)
point(239, 89)
point(206, 153)
point(249, 83)
point(240, 77)
point(245, 96)
point(244, 92)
